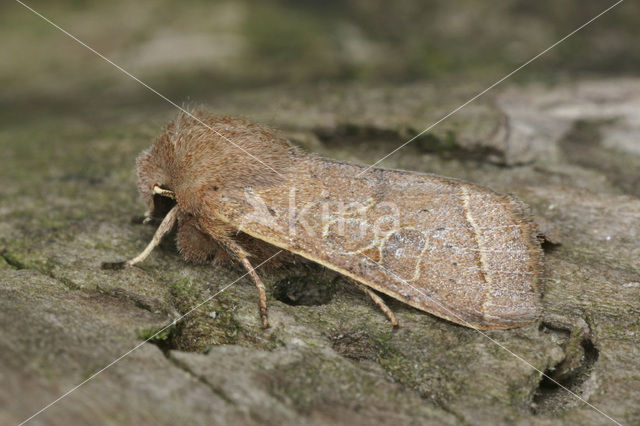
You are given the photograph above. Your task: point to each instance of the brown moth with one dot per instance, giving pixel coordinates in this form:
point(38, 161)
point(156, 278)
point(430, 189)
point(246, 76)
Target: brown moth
point(448, 247)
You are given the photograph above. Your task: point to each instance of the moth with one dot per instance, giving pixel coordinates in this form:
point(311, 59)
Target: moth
point(238, 191)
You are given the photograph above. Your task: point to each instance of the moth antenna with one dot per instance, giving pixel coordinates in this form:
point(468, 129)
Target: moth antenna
point(378, 301)
point(165, 227)
point(262, 295)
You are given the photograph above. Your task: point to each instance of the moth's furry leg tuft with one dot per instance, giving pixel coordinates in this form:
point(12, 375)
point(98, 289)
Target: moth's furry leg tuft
point(262, 295)
point(195, 245)
point(165, 227)
point(378, 301)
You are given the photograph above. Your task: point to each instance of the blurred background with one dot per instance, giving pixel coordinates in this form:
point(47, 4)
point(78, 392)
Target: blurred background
point(196, 50)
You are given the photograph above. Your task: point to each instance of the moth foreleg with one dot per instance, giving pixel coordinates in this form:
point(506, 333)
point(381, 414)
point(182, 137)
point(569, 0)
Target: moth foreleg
point(262, 295)
point(165, 227)
point(147, 217)
point(142, 220)
point(378, 301)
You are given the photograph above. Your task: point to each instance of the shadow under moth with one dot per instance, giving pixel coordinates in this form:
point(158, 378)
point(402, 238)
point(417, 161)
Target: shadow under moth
point(237, 191)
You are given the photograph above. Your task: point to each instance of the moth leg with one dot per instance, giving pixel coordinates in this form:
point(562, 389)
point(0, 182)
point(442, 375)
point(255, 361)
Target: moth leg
point(142, 220)
point(262, 295)
point(165, 227)
point(147, 217)
point(378, 301)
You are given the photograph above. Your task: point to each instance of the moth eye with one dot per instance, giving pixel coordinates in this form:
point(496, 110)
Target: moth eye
point(213, 188)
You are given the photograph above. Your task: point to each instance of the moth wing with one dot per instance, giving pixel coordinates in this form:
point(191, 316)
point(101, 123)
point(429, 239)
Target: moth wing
point(447, 247)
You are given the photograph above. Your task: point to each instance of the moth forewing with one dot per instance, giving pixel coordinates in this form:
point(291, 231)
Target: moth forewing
point(457, 250)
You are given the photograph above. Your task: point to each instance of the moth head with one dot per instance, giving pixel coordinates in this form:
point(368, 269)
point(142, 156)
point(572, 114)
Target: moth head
point(154, 184)
point(163, 200)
